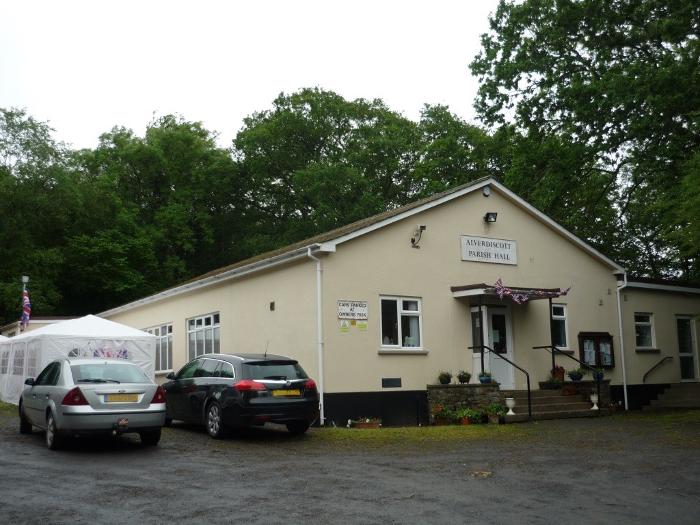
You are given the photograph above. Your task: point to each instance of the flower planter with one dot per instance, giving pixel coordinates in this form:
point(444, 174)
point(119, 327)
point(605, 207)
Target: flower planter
point(465, 421)
point(485, 380)
point(362, 424)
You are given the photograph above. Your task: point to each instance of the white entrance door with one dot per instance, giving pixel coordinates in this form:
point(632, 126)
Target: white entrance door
point(497, 334)
point(501, 341)
point(686, 348)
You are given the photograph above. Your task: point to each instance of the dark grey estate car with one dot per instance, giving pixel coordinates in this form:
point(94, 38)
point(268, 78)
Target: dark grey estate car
point(227, 391)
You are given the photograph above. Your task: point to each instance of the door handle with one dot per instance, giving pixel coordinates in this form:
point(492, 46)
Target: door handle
point(33, 396)
point(48, 396)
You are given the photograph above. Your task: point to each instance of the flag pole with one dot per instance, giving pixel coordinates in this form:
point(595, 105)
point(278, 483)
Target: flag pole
point(23, 324)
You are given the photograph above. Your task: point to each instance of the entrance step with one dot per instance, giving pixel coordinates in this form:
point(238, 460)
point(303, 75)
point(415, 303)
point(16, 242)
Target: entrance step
point(679, 395)
point(549, 404)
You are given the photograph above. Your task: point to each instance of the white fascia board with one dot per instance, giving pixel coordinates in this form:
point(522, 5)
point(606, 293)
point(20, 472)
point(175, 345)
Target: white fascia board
point(235, 273)
point(408, 213)
point(469, 293)
point(558, 228)
point(488, 182)
point(663, 287)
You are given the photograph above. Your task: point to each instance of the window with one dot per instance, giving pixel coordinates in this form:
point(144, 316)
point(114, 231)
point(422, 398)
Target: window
point(188, 371)
point(596, 349)
point(207, 368)
point(48, 375)
point(18, 363)
point(401, 322)
point(164, 347)
point(33, 348)
point(644, 330)
point(4, 359)
point(203, 336)
point(559, 329)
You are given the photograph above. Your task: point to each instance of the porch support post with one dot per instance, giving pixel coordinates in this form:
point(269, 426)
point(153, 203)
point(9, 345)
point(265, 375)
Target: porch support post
point(481, 336)
point(551, 333)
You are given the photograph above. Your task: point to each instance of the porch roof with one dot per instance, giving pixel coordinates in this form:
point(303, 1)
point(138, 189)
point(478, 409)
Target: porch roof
point(517, 294)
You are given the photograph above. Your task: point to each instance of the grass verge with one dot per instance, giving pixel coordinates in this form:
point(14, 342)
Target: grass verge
point(7, 409)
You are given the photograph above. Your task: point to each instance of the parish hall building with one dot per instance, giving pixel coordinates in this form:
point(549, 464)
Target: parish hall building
point(375, 310)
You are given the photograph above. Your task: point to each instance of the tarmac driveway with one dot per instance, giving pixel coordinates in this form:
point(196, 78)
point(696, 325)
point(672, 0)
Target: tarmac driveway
point(623, 469)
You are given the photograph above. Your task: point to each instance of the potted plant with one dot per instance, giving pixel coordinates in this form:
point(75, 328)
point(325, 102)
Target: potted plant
point(485, 377)
point(463, 377)
point(551, 384)
point(441, 414)
point(365, 422)
point(558, 373)
point(598, 375)
point(576, 374)
point(445, 377)
point(495, 412)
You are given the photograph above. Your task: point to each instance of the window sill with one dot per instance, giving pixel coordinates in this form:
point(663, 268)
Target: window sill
point(402, 351)
point(647, 350)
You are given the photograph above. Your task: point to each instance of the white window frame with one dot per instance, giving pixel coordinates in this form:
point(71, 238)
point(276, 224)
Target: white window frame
point(215, 324)
point(566, 322)
point(168, 339)
point(4, 361)
point(400, 312)
point(18, 353)
point(650, 324)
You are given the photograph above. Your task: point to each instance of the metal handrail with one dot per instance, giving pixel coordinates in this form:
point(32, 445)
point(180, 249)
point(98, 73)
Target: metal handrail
point(597, 373)
point(668, 357)
point(527, 376)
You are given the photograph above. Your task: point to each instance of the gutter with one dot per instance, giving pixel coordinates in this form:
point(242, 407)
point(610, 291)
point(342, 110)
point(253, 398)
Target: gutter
point(622, 338)
point(319, 331)
point(272, 262)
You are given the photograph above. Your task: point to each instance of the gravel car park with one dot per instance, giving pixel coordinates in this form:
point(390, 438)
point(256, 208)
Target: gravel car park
point(640, 468)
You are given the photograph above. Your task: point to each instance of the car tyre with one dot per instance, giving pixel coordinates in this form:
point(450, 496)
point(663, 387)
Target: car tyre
point(297, 428)
point(53, 439)
point(25, 427)
point(168, 422)
point(150, 438)
point(215, 422)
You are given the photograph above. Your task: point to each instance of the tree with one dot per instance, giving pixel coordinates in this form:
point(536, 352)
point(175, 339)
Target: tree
point(618, 81)
point(316, 161)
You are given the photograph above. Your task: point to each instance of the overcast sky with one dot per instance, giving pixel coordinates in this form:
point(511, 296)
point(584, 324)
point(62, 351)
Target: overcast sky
point(85, 65)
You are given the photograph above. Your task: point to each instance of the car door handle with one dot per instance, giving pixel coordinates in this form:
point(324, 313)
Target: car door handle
point(48, 396)
point(33, 396)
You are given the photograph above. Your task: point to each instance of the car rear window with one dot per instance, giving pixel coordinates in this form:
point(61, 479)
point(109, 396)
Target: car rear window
point(108, 373)
point(273, 370)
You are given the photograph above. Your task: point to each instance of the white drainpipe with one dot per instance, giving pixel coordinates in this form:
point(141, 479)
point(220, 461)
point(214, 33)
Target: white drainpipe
point(622, 339)
point(319, 331)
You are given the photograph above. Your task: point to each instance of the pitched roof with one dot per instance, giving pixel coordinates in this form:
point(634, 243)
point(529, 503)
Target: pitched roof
point(326, 242)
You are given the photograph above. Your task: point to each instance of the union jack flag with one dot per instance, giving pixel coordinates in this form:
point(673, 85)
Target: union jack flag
point(26, 310)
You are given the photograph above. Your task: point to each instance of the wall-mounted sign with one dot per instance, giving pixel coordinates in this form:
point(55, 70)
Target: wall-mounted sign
point(352, 310)
point(483, 249)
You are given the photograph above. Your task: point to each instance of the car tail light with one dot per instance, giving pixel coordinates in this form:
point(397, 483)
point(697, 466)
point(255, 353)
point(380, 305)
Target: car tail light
point(310, 385)
point(248, 385)
point(159, 396)
point(74, 397)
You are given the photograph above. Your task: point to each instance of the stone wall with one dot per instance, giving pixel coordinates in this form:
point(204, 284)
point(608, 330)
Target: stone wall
point(464, 396)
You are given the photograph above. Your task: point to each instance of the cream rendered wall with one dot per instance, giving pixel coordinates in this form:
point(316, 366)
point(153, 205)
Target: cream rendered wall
point(664, 306)
point(384, 263)
point(247, 324)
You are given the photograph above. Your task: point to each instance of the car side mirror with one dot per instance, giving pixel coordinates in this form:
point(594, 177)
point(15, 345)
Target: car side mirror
point(171, 375)
point(29, 381)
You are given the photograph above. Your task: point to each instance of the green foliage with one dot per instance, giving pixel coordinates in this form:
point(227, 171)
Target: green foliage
point(444, 377)
point(603, 98)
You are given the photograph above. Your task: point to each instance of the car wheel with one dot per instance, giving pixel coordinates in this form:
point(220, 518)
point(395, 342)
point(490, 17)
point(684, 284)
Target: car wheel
point(53, 440)
point(150, 439)
point(296, 428)
point(25, 427)
point(215, 426)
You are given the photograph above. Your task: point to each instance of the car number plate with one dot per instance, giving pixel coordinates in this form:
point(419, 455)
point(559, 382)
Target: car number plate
point(122, 398)
point(286, 392)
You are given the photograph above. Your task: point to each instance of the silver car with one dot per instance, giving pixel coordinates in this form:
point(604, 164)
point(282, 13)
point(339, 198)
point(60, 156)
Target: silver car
point(84, 396)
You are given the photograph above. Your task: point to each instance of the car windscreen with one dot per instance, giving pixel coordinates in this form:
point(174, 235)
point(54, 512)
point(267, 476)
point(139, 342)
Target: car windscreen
point(108, 373)
point(287, 370)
